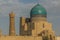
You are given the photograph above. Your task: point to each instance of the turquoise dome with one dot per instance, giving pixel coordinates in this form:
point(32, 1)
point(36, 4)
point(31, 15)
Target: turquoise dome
point(38, 10)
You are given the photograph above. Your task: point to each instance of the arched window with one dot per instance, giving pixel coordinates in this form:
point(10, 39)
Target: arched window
point(43, 26)
point(50, 37)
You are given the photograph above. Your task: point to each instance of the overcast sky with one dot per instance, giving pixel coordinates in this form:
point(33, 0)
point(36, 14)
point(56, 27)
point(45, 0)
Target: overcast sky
point(23, 7)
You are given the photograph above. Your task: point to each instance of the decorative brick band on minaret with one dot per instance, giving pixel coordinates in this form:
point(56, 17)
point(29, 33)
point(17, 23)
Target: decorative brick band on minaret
point(12, 24)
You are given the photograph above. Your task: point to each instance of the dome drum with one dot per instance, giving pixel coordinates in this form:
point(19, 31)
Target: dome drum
point(37, 15)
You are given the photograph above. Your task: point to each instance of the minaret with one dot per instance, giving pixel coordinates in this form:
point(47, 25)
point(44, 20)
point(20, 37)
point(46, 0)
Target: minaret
point(0, 33)
point(12, 24)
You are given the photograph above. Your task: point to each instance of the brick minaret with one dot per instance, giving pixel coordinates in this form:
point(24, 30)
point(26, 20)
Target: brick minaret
point(12, 24)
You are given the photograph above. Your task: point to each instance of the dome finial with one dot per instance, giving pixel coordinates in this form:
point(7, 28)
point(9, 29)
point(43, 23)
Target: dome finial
point(37, 1)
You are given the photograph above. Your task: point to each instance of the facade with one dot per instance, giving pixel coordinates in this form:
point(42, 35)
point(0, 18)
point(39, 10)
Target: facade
point(34, 28)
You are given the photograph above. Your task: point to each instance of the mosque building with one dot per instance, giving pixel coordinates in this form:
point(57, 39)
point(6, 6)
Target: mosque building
point(34, 28)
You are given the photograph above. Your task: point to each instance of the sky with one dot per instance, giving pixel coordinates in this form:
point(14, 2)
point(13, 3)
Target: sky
point(23, 8)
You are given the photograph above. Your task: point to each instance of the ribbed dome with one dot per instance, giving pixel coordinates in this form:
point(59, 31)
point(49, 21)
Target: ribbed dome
point(38, 9)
